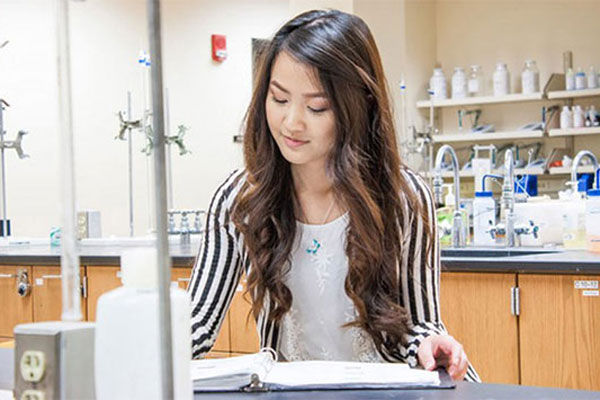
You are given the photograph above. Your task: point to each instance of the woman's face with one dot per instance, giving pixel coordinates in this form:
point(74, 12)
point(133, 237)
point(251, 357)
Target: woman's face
point(299, 114)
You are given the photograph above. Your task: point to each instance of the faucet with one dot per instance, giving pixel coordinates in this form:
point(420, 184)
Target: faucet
point(577, 162)
point(512, 231)
point(184, 231)
point(458, 229)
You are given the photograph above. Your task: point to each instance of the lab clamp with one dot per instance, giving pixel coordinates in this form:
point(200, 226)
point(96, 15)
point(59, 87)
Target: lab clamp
point(419, 143)
point(128, 124)
point(4, 145)
point(185, 230)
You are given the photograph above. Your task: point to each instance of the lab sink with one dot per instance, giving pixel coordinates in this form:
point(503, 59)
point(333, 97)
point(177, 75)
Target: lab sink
point(492, 252)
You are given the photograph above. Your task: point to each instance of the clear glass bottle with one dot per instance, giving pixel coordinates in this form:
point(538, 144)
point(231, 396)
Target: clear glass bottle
point(476, 83)
point(501, 80)
point(530, 78)
point(592, 78)
point(570, 79)
point(459, 83)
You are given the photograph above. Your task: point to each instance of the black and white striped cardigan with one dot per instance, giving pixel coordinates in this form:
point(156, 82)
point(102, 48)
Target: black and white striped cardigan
point(222, 259)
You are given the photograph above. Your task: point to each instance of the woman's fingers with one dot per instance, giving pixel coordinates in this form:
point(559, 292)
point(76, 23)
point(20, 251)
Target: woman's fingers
point(443, 351)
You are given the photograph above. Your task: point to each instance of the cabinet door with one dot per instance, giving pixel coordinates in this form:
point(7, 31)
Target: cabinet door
point(15, 309)
point(100, 280)
point(244, 337)
point(47, 294)
point(222, 344)
point(476, 309)
point(560, 331)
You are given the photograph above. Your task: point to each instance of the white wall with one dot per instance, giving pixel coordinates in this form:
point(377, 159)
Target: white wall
point(106, 36)
point(211, 98)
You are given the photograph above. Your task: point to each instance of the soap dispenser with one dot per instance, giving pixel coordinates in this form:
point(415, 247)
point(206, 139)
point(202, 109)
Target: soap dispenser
point(127, 343)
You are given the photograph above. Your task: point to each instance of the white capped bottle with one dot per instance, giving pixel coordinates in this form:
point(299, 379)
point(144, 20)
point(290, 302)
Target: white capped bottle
point(484, 217)
point(127, 348)
point(566, 118)
point(459, 83)
point(580, 80)
point(578, 117)
point(437, 84)
point(501, 80)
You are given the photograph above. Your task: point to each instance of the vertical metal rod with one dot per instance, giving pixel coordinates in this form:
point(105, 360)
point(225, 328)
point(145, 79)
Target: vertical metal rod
point(130, 163)
point(3, 162)
point(69, 259)
point(164, 267)
point(168, 154)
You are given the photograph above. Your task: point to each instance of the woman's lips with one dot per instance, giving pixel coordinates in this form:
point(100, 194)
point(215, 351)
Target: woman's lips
point(293, 143)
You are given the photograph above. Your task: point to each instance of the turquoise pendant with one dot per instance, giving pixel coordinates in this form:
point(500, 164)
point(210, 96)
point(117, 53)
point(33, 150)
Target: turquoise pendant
point(314, 248)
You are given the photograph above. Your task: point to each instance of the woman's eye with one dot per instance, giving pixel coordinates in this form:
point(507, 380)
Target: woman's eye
point(279, 101)
point(318, 110)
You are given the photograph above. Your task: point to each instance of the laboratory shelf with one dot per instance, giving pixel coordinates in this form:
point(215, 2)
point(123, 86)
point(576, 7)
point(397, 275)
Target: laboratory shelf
point(567, 170)
point(481, 100)
point(573, 94)
point(574, 131)
point(471, 137)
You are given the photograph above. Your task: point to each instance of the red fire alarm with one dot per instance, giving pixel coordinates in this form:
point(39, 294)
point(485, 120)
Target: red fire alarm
point(219, 47)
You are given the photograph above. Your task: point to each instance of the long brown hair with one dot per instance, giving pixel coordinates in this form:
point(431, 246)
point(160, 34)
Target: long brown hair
point(364, 166)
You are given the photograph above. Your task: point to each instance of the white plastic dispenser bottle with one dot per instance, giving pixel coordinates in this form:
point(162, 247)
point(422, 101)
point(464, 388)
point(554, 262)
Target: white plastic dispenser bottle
point(566, 118)
point(127, 349)
point(459, 83)
point(592, 220)
point(484, 216)
point(501, 79)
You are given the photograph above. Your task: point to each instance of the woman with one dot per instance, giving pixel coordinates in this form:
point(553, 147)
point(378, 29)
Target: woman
point(337, 237)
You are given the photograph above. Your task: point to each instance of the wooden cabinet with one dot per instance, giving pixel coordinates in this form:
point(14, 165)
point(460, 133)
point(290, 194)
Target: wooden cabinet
point(476, 309)
point(100, 280)
point(560, 331)
point(47, 294)
point(244, 336)
point(16, 309)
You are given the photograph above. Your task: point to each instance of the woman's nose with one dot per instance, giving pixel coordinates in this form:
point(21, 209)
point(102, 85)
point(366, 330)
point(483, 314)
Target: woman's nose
point(294, 119)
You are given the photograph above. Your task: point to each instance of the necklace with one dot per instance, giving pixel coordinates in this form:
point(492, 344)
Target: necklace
point(316, 244)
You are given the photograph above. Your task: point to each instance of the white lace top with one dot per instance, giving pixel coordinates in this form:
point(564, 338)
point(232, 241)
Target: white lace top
point(313, 327)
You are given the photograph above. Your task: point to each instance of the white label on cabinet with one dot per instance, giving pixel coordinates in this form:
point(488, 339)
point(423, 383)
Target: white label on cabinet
point(591, 292)
point(39, 282)
point(586, 284)
point(118, 273)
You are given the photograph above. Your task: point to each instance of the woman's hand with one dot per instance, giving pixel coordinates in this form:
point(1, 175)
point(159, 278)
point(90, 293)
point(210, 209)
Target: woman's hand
point(443, 351)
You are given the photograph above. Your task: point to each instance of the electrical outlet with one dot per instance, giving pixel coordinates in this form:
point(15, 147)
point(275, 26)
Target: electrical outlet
point(33, 395)
point(33, 365)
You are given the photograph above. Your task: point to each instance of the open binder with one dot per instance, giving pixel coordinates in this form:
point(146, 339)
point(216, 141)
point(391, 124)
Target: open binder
point(261, 372)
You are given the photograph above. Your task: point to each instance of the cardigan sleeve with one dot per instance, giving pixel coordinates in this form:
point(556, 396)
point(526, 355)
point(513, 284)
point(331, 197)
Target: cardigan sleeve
point(217, 269)
point(420, 277)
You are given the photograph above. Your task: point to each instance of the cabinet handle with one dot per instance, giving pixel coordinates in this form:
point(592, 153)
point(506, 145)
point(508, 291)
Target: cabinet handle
point(51, 276)
point(9, 276)
point(515, 304)
point(183, 279)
